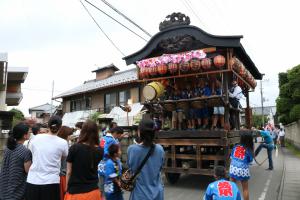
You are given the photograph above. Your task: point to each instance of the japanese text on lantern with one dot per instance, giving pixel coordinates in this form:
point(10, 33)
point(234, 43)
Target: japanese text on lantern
point(239, 152)
point(225, 189)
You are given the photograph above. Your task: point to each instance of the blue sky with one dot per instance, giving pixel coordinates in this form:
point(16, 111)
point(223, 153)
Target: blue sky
point(58, 41)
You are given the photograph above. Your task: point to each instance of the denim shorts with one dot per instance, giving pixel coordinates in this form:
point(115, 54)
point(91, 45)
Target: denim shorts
point(218, 110)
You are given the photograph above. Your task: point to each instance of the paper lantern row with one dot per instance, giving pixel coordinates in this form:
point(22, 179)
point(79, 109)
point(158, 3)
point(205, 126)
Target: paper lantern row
point(239, 67)
point(192, 66)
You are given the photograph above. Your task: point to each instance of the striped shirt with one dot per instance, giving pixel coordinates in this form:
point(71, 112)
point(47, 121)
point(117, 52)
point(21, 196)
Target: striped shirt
point(12, 173)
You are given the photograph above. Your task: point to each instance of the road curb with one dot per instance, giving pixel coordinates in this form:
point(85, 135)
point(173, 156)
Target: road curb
point(281, 186)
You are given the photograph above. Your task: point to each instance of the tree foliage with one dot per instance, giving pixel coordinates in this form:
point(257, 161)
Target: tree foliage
point(18, 116)
point(288, 102)
point(257, 120)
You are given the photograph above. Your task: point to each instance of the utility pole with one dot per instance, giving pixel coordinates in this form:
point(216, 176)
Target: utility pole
point(52, 98)
point(262, 101)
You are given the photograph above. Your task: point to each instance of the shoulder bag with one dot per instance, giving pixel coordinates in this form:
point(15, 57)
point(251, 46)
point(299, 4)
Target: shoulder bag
point(128, 178)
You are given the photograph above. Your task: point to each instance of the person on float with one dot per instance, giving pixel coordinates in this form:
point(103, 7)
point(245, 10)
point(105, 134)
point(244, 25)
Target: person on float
point(205, 91)
point(235, 94)
point(187, 93)
point(222, 189)
point(177, 115)
point(218, 113)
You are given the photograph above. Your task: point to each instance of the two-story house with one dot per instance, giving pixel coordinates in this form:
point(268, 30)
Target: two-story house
point(110, 88)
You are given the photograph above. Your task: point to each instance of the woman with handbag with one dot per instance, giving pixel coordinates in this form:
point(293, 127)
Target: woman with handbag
point(145, 161)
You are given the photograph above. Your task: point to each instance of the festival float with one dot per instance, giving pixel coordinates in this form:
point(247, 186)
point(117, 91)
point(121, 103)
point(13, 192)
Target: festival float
point(178, 57)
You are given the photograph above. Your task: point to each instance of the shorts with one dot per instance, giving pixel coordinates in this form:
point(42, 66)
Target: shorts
point(191, 114)
point(95, 195)
point(202, 113)
point(218, 110)
point(45, 192)
point(177, 116)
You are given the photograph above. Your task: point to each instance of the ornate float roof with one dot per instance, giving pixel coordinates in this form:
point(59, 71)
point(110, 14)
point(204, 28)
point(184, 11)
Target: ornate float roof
point(176, 35)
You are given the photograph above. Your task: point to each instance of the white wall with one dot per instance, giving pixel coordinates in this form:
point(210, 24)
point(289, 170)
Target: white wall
point(292, 133)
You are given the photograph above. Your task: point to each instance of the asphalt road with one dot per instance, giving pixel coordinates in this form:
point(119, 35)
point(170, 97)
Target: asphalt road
point(263, 184)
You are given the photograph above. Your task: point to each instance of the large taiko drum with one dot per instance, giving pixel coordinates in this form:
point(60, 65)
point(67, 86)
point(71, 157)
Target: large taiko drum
point(153, 90)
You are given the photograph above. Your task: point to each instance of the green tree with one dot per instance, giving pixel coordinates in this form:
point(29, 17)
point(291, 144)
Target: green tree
point(18, 116)
point(288, 102)
point(94, 116)
point(257, 120)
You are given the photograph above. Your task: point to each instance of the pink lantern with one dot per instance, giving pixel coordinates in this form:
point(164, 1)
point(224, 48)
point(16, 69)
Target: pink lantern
point(219, 61)
point(206, 63)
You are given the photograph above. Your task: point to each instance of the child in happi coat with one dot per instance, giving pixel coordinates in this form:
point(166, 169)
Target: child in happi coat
point(113, 172)
point(222, 189)
point(241, 157)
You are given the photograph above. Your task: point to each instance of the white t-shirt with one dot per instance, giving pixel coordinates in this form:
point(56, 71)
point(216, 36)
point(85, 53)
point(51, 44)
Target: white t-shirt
point(47, 152)
point(281, 133)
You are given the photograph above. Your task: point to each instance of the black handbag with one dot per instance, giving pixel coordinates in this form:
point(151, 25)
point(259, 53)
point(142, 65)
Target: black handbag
point(128, 178)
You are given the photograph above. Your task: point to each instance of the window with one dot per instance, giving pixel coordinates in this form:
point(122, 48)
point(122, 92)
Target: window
point(110, 101)
point(81, 104)
point(123, 97)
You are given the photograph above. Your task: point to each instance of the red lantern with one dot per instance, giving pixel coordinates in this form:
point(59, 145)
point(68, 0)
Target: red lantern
point(206, 63)
point(184, 67)
point(195, 65)
point(173, 68)
point(242, 70)
point(162, 69)
point(144, 72)
point(219, 61)
point(248, 76)
point(153, 70)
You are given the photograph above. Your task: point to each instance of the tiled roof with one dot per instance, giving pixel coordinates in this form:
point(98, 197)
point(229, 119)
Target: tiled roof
point(267, 110)
point(45, 107)
point(118, 78)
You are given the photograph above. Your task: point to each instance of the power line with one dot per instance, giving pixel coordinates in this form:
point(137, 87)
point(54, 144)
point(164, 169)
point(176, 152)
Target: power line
point(131, 21)
point(189, 7)
point(116, 20)
point(102, 29)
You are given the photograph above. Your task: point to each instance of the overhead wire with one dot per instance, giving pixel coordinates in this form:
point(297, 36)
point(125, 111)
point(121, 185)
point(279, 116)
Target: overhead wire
point(116, 21)
point(189, 7)
point(102, 29)
point(127, 18)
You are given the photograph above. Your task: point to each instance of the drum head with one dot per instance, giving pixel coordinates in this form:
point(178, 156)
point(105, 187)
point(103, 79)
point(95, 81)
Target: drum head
point(149, 92)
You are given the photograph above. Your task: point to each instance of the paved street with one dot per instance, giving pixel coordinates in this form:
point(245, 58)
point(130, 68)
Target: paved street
point(264, 185)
